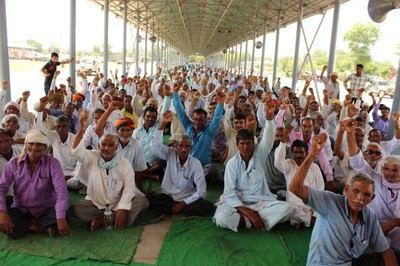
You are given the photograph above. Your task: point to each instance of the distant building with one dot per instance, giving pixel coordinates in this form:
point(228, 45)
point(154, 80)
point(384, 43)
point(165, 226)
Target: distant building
point(22, 52)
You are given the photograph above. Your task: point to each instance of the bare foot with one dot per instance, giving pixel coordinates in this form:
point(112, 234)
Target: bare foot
point(49, 230)
point(96, 224)
point(33, 227)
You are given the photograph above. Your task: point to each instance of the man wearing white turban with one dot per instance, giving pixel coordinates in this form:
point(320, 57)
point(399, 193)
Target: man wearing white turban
point(40, 192)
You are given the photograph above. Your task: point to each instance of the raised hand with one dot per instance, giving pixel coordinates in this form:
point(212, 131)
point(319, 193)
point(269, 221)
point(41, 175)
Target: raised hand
point(269, 108)
point(83, 118)
point(221, 96)
point(25, 95)
point(350, 125)
point(395, 117)
point(266, 96)
point(176, 87)
point(318, 143)
point(285, 104)
point(167, 90)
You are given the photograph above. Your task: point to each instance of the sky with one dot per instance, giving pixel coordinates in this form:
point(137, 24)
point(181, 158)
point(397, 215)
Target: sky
point(47, 21)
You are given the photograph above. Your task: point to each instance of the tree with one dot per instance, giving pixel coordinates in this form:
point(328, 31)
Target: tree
point(53, 48)
point(360, 37)
point(35, 44)
point(197, 58)
point(285, 65)
point(97, 50)
point(384, 69)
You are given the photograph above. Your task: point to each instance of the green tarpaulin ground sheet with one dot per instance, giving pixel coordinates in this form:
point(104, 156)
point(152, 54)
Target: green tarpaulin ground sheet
point(200, 242)
point(189, 242)
point(102, 245)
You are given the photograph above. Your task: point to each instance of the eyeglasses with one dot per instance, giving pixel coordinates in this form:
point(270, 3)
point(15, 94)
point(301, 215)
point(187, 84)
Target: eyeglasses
point(377, 153)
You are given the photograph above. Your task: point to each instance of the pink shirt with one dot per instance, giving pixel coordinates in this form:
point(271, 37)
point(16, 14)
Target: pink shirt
point(35, 192)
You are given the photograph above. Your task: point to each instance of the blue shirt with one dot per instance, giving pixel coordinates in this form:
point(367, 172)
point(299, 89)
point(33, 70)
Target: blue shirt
point(202, 142)
point(335, 240)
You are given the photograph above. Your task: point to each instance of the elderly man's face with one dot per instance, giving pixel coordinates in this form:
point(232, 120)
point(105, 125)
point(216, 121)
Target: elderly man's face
point(108, 147)
point(11, 110)
point(35, 150)
point(359, 195)
point(11, 124)
point(373, 154)
point(391, 172)
point(106, 101)
point(125, 133)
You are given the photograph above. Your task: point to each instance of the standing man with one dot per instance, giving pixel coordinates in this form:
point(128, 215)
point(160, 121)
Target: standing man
point(345, 225)
point(331, 84)
point(50, 68)
point(357, 82)
point(40, 192)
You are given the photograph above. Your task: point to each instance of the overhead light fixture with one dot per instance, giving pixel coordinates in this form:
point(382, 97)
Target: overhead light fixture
point(259, 45)
point(140, 38)
point(153, 39)
point(232, 52)
point(224, 51)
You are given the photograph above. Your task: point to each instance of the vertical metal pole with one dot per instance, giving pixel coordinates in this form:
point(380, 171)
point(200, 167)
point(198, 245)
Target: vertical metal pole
point(72, 41)
point(158, 49)
point(332, 48)
point(240, 56)
point(235, 66)
point(105, 43)
point(145, 46)
point(152, 55)
point(137, 41)
point(228, 53)
point(225, 60)
point(161, 52)
point(167, 54)
point(297, 47)
point(263, 49)
point(4, 60)
point(278, 31)
point(125, 22)
point(254, 50)
point(395, 105)
point(245, 58)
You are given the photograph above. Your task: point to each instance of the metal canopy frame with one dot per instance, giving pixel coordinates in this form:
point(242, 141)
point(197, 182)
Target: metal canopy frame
point(208, 26)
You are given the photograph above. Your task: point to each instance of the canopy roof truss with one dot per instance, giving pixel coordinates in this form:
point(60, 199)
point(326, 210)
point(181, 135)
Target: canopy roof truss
point(208, 26)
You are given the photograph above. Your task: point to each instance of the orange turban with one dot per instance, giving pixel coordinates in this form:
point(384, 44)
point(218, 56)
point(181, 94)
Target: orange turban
point(78, 97)
point(124, 122)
